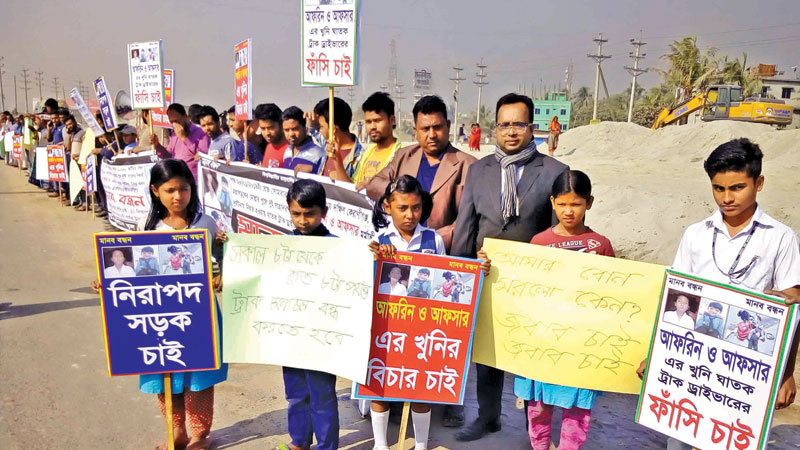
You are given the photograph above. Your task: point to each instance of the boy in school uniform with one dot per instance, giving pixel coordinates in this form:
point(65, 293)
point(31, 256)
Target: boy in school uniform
point(313, 407)
point(741, 245)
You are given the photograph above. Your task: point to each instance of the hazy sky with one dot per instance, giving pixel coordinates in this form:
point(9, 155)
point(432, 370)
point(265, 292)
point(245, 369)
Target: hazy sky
point(522, 42)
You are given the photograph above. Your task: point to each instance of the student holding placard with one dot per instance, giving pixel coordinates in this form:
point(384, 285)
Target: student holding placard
point(176, 206)
point(740, 244)
point(408, 204)
point(313, 408)
point(571, 198)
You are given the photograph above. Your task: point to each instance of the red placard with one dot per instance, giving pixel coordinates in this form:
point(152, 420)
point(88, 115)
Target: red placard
point(16, 151)
point(159, 115)
point(422, 338)
point(242, 76)
point(56, 166)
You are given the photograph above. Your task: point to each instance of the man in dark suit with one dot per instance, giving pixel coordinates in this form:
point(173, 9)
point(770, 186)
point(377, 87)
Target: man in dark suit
point(507, 196)
point(439, 167)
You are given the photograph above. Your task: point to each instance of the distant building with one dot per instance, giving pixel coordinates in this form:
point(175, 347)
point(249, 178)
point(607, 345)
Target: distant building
point(553, 104)
point(787, 90)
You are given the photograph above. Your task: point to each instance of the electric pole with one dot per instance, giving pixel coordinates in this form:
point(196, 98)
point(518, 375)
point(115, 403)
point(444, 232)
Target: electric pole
point(55, 86)
point(480, 83)
point(39, 81)
point(81, 88)
point(599, 58)
point(456, 79)
point(635, 70)
point(16, 108)
point(351, 95)
point(25, 86)
point(2, 93)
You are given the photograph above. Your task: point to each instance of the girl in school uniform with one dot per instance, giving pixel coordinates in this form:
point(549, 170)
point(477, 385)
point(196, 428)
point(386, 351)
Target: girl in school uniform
point(571, 198)
point(407, 204)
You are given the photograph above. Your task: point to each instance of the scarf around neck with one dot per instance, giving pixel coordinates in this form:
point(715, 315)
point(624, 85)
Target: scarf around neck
point(508, 165)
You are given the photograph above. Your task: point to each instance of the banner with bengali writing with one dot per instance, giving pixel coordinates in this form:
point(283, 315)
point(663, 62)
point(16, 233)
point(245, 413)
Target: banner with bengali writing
point(716, 361)
point(126, 181)
point(85, 112)
point(159, 115)
point(243, 80)
point(329, 38)
point(566, 317)
point(422, 328)
point(16, 147)
point(91, 174)
point(145, 75)
point(243, 198)
point(56, 165)
point(298, 301)
point(159, 313)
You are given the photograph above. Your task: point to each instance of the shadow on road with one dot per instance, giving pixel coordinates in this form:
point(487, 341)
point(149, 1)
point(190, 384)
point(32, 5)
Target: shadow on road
point(11, 311)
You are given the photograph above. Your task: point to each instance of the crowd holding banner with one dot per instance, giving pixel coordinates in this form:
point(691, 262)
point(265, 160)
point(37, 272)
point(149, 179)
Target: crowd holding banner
point(404, 326)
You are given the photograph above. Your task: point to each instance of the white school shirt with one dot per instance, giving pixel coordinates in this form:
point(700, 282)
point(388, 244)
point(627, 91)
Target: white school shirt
point(125, 271)
point(685, 320)
point(773, 244)
point(416, 240)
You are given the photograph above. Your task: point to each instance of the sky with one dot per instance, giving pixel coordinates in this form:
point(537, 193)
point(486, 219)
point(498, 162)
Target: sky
point(526, 43)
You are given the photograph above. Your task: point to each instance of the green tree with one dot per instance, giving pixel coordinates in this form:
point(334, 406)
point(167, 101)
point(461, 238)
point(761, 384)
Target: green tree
point(690, 69)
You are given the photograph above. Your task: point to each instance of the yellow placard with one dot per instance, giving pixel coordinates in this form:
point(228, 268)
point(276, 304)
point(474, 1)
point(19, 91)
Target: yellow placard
point(566, 317)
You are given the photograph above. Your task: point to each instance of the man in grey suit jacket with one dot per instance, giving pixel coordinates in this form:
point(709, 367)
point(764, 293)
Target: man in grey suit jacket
point(507, 196)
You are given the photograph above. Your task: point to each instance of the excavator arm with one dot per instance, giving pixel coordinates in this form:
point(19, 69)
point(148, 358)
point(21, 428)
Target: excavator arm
point(670, 115)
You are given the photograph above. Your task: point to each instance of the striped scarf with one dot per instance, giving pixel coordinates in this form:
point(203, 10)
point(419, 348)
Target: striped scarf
point(508, 164)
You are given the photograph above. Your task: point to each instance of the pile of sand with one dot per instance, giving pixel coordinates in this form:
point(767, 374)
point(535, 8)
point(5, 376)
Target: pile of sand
point(650, 185)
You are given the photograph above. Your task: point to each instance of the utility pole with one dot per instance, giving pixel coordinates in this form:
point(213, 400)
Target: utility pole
point(599, 58)
point(635, 70)
point(81, 88)
point(480, 83)
point(55, 86)
point(39, 81)
point(2, 93)
point(568, 73)
point(25, 86)
point(351, 95)
point(15, 94)
point(456, 79)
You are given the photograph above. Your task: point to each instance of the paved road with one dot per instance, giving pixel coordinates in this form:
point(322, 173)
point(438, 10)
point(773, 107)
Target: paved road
point(55, 392)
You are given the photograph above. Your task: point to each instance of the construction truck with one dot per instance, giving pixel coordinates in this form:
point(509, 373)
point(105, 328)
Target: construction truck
point(726, 102)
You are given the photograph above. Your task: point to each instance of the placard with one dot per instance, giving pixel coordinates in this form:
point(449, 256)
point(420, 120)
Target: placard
point(329, 38)
point(715, 364)
point(56, 165)
point(566, 317)
point(145, 75)
point(158, 308)
point(107, 109)
point(91, 174)
point(243, 77)
point(298, 301)
point(159, 115)
point(83, 109)
point(16, 147)
point(422, 328)
point(126, 181)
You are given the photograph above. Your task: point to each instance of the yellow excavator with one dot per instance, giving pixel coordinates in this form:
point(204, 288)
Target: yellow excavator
point(726, 102)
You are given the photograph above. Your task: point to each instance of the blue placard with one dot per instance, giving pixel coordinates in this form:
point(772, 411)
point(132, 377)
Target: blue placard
point(158, 308)
point(106, 104)
point(91, 172)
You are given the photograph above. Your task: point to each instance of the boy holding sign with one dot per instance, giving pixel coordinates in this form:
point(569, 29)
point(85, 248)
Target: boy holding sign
point(313, 407)
point(740, 244)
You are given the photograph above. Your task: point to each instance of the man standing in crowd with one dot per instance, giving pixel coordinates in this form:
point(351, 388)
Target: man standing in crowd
point(507, 196)
point(380, 124)
point(221, 144)
point(255, 143)
point(268, 116)
point(345, 150)
point(187, 141)
point(302, 154)
point(440, 167)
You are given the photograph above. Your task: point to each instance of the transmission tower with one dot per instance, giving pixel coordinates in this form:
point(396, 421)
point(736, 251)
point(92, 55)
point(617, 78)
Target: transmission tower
point(480, 83)
point(635, 71)
point(599, 57)
point(457, 79)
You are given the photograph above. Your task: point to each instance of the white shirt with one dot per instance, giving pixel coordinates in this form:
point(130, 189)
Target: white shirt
point(416, 240)
point(773, 245)
point(124, 271)
point(684, 321)
point(387, 289)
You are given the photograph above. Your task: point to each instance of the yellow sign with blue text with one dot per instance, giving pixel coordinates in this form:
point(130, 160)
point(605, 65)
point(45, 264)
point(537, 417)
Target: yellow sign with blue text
point(566, 317)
